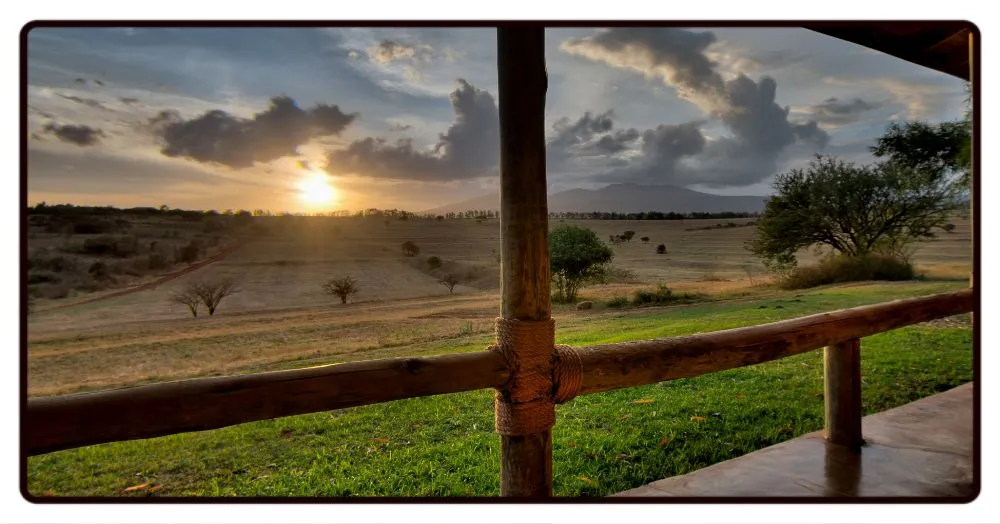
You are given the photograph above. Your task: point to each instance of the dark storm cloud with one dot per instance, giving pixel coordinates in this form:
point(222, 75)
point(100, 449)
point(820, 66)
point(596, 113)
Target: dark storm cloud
point(661, 151)
point(589, 136)
point(759, 127)
point(221, 138)
point(836, 111)
point(469, 149)
point(80, 135)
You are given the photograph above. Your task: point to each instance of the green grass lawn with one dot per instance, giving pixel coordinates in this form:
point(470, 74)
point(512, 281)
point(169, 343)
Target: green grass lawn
point(602, 443)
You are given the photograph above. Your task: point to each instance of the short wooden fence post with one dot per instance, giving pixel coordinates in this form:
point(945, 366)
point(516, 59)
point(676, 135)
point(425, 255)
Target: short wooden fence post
point(842, 393)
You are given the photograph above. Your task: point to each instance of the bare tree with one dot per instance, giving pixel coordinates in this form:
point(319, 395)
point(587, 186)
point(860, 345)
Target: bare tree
point(187, 297)
point(450, 281)
point(342, 287)
point(211, 292)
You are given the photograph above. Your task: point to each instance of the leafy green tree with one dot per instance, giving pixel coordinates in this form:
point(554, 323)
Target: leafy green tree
point(929, 150)
point(855, 210)
point(576, 256)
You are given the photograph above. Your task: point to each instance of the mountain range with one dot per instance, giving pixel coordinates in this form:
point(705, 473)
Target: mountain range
point(625, 198)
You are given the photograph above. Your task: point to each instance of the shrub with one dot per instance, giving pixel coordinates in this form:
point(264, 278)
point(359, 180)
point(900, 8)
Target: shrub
point(662, 295)
point(627, 236)
point(191, 252)
point(99, 246)
point(843, 268)
point(618, 302)
point(342, 287)
point(410, 249)
point(661, 249)
point(948, 228)
point(434, 262)
point(644, 239)
point(42, 277)
point(157, 261)
point(99, 270)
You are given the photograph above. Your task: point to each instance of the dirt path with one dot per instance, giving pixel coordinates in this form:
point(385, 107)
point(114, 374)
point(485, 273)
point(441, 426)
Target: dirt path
point(151, 285)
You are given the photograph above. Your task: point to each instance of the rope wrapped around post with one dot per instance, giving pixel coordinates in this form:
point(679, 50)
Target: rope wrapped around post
point(542, 374)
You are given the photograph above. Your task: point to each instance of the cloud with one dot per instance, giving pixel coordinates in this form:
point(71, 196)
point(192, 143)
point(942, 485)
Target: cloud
point(399, 128)
point(469, 149)
point(221, 138)
point(85, 101)
point(388, 51)
point(590, 139)
point(759, 128)
point(80, 135)
point(838, 112)
point(739, 59)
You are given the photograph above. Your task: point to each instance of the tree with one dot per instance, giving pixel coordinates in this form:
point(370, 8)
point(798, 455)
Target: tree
point(855, 210)
point(450, 281)
point(410, 249)
point(661, 249)
point(627, 236)
point(187, 297)
point(576, 256)
point(929, 150)
point(211, 292)
point(644, 239)
point(343, 287)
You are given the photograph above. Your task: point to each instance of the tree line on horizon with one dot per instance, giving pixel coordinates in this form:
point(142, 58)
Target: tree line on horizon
point(44, 208)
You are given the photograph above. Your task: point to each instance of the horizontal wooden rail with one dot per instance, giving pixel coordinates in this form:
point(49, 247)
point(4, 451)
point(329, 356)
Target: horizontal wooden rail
point(70, 421)
point(614, 366)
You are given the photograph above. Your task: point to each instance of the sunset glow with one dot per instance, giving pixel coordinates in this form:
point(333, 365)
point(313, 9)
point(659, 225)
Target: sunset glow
point(315, 189)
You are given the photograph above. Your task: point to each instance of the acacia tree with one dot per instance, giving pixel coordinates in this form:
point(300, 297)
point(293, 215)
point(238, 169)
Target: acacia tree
point(211, 292)
point(929, 150)
point(343, 287)
point(576, 256)
point(187, 297)
point(450, 281)
point(855, 210)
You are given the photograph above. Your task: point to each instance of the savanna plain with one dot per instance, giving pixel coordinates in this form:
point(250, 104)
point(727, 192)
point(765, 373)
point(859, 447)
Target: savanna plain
point(131, 333)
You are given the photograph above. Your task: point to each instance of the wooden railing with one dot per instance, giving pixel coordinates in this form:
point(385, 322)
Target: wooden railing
point(70, 421)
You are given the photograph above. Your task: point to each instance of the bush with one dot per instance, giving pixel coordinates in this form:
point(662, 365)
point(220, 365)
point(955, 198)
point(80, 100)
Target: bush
point(410, 249)
point(618, 302)
point(662, 295)
point(948, 228)
point(99, 270)
point(842, 268)
point(157, 261)
point(42, 277)
point(105, 245)
point(434, 262)
point(191, 252)
point(661, 249)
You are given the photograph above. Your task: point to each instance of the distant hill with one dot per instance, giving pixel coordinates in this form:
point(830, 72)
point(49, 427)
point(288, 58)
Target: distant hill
point(626, 198)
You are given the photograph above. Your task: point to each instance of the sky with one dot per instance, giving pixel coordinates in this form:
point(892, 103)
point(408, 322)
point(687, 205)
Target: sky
point(321, 119)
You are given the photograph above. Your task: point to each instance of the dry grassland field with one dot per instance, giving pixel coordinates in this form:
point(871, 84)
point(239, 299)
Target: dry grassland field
point(282, 318)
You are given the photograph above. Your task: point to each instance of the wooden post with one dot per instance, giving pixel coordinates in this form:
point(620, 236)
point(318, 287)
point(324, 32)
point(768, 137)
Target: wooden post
point(526, 462)
point(972, 180)
point(842, 393)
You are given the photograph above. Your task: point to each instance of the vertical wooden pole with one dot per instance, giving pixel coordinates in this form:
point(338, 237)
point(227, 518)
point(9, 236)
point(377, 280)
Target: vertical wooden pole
point(526, 462)
point(842, 393)
point(972, 178)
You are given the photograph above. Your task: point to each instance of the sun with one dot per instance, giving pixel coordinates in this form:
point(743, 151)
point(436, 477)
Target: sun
point(315, 189)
